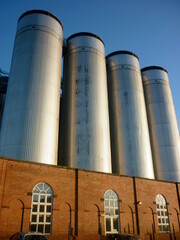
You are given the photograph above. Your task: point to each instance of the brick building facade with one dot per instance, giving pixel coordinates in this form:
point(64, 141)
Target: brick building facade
point(78, 210)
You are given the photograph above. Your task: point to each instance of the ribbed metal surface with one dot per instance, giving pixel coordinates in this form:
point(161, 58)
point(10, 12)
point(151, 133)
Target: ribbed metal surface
point(163, 126)
point(130, 142)
point(85, 139)
point(31, 113)
point(3, 89)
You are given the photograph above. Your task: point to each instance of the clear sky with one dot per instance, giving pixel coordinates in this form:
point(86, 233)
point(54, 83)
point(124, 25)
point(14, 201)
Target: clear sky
point(149, 28)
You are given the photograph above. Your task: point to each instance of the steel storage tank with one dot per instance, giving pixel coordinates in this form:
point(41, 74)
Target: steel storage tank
point(163, 125)
point(31, 115)
point(3, 89)
point(85, 137)
point(130, 142)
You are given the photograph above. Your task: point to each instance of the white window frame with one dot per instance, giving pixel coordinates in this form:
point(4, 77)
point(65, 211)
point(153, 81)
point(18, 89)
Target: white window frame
point(41, 209)
point(111, 211)
point(162, 214)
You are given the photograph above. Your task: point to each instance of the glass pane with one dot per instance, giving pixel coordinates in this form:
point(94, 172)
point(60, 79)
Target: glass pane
point(163, 220)
point(48, 218)
point(161, 207)
point(42, 198)
point(49, 198)
point(33, 227)
point(41, 218)
point(166, 213)
point(48, 209)
point(49, 190)
point(107, 211)
point(48, 228)
point(36, 190)
point(167, 220)
point(108, 224)
point(111, 211)
point(167, 228)
point(46, 186)
point(158, 213)
point(111, 203)
point(160, 228)
point(40, 186)
point(33, 218)
point(159, 220)
point(162, 213)
point(40, 228)
point(41, 208)
point(34, 208)
point(35, 198)
point(116, 211)
point(157, 206)
point(106, 203)
point(116, 203)
point(115, 223)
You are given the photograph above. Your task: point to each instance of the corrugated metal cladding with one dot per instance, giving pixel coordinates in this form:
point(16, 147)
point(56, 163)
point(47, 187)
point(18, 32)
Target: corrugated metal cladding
point(130, 142)
point(3, 89)
point(85, 137)
point(163, 125)
point(31, 114)
point(30, 122)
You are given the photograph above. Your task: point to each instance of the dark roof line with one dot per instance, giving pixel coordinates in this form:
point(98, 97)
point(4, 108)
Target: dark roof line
point(41, 12)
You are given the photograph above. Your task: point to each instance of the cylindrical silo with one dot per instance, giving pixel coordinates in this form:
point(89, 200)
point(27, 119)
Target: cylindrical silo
point(85, 138)
point(3, 89)
point(162, 121)
point(130, 142)
point(31, 115)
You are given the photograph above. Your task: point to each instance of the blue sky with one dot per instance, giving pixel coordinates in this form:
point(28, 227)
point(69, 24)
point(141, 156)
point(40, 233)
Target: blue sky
point(149, 28)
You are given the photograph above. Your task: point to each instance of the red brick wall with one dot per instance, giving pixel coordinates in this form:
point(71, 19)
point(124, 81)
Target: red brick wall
point(84, 192)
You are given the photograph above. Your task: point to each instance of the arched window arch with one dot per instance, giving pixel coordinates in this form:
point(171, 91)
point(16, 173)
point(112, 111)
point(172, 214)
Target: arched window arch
point(41, 208)
point(111, 207)
point(162, 213)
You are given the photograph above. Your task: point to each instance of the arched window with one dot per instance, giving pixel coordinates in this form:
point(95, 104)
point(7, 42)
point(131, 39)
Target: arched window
point(162, 214)
point(111, 207)
point(41, 209)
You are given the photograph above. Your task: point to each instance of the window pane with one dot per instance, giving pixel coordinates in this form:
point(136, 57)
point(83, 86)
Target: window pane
point(33, 227)
point(36, 190)
point(111, 203)
point(47, 228)
point(41, 218)
point(34, 217)
point(40, 186)
point(35, 198)
point(48, 209)
point(111, 211)
point(49, 198)
point(42, 198)
point(41, 208)
point(167, 220)
point(40, 228)
point(108, 224)
point(116, 211)
point(34, 209)
point(48, 218)
point(106, 203)
point(106, 211)
point(115, 223)
point(116, 203)
point(160, 228)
